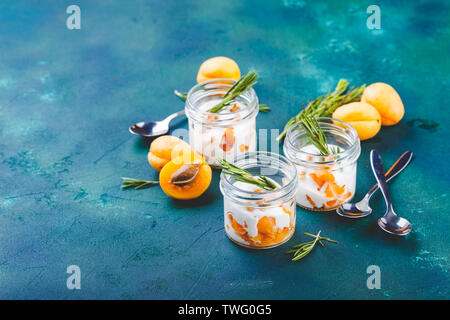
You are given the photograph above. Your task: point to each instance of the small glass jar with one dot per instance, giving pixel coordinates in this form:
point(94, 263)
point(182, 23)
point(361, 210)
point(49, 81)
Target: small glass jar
point(254, 217)
point(325, 182)
point(224, 134)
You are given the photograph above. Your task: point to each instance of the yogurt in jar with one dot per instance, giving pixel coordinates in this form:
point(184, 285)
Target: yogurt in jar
point(214, 141)
point(325, 188)
point(260, 225)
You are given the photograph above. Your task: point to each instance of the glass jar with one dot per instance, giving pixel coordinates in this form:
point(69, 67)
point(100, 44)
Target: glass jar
point(254, 217)
point(224, 134)
point(325, 182)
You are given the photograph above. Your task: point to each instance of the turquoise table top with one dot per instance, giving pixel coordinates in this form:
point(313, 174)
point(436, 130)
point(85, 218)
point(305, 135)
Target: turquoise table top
point(67, 98)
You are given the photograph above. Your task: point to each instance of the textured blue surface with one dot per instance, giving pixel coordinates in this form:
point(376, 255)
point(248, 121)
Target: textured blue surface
point(68, 96)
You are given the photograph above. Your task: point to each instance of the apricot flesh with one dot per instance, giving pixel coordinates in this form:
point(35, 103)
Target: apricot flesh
point(191, 190)
point(165, 148)
point(362, 116)
point(386, 100)
point(218, 68)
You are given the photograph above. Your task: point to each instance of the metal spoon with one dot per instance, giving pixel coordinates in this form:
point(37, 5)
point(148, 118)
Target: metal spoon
point(362, 209)
point(390, 222)
point(154, 128)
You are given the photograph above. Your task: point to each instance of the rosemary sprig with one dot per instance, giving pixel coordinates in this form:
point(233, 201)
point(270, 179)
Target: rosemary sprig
point(303, 249)
point(245, 176)
point(314, 133)
point(324, 106)
point(137, 183)
point(183, 96)
point(244, 84)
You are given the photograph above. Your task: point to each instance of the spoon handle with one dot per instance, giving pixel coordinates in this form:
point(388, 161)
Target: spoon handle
point(377, 168)
point(173, 116)
point(396, 168)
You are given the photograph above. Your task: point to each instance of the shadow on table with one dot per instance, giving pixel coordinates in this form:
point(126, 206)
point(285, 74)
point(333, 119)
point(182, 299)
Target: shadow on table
point(368, 228)
point(209, 197)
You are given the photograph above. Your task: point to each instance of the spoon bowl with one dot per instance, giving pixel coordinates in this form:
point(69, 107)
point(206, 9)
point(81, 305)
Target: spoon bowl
point(153, 128)
point(149, 129)
point(395, 225)
point(355, 210)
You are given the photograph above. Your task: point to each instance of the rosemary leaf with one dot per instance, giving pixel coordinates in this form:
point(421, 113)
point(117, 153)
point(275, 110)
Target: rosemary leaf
point(303, 249)
point(137, 183)
point(244, 84)
point(314, 133)
point(264, 108)
point(245, 176)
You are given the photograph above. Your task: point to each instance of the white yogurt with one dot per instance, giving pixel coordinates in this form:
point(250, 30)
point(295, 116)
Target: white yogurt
point(215, 142)
point(325, 195)
point(248, 218)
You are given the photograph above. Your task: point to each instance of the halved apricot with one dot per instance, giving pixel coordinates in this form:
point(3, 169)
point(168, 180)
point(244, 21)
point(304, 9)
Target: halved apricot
point(194, 188)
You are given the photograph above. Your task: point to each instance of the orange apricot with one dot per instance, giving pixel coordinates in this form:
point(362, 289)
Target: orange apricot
point(218, 68)
point(195, 187)
point(165, 148)
point(362, 116)
point(386, 100)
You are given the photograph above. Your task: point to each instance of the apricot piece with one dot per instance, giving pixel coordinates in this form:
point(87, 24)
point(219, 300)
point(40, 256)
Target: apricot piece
point(362, 116)
point(165, 148)
point(227, 140)
point(266, 225)
point(331, 203)
point(320, 176)
point(235, 108)
point(311, 202)
point(194, 188)
point(218, 68)
point(386, 100)
point(236, 226)
point(329, 192)
point(337, 190)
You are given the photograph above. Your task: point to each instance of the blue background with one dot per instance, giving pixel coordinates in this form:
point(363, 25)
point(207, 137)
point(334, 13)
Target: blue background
point(67, 98)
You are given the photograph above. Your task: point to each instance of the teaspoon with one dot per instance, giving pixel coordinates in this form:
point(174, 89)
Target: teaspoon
point(154, 128)
point(390, 222)
point(362, 209)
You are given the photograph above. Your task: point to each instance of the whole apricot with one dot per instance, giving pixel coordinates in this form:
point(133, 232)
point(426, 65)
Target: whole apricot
point(165, 148)
point(386, 100)
point(361, 116)
point(181, 179)
point(218, 68)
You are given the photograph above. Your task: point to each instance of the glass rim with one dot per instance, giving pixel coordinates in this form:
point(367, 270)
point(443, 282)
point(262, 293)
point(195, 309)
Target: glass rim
point(347, 129)
point(224, 118)
point(239, 195)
